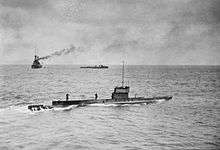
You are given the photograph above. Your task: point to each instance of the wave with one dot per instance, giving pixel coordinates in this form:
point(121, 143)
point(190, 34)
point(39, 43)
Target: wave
point(68, 108)
point(15, 109)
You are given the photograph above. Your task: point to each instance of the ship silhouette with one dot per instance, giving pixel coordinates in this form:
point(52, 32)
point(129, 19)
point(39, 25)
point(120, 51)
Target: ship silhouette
point(36, 64)
point(96, 67)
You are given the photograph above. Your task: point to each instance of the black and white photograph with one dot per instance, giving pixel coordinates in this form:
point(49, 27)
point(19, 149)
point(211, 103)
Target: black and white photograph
point(109, 74)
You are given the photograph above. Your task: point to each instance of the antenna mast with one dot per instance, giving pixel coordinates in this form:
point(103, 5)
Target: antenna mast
point(123, 70)
point(35, 50)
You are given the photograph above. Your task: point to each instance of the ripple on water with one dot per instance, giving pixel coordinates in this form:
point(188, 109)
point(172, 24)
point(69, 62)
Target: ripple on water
point(189, 121)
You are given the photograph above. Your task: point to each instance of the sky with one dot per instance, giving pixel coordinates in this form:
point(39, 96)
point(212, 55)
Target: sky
point(140, 32)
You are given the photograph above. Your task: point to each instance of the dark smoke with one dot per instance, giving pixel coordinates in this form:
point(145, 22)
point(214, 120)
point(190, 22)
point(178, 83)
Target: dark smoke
point(67, 51)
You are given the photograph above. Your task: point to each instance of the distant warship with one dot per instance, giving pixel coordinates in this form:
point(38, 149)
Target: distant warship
point(36, 64)
point(96, 67)
point(120, 96)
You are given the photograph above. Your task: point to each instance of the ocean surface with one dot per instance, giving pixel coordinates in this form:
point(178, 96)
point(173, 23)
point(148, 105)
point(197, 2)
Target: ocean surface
point(191, 120)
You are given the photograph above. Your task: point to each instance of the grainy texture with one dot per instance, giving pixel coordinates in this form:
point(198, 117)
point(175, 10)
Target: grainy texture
point(189, 121)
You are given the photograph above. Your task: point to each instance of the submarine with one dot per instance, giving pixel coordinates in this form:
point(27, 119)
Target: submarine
point(119, 97)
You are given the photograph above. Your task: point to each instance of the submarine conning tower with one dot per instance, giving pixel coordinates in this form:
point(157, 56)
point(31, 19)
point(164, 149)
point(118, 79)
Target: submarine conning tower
point(121, 93)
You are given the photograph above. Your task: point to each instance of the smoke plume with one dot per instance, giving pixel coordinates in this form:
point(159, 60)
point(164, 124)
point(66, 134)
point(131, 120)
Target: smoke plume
point(62, 52)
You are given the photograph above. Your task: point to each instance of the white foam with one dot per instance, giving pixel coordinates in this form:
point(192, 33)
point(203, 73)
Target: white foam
point(102, 105)
point(15, 110)
point(64, 108)
point(161, 100)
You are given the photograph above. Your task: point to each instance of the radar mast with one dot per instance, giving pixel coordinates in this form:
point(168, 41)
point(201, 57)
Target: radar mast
point(123, 72)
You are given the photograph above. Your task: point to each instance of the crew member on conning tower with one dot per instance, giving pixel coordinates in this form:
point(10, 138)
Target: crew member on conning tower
point(96, 95)
point(67, 97)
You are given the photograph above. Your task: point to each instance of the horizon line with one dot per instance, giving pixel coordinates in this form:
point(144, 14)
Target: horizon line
point(115, 64)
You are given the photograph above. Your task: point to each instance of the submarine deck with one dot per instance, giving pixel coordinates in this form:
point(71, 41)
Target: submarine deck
point(134, 100)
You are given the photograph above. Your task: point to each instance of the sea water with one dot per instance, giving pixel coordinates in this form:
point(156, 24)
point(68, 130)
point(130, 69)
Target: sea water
point(191, 120)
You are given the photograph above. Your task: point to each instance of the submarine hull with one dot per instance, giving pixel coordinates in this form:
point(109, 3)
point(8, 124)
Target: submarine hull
point(135, 100)
point(80, 103)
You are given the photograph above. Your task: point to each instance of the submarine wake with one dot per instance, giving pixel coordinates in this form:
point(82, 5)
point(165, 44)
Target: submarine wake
point(68, 108)
point(102, 105)
point(15, 109)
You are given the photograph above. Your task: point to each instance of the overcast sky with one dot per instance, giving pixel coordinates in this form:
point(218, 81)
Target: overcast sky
point(150, 32)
